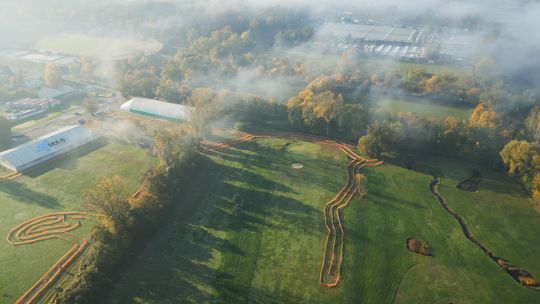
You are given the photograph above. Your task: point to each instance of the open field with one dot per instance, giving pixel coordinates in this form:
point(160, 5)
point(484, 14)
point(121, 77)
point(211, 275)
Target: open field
point(93, 46)
point(423, 108)
point(271, 252)
point(55, 187)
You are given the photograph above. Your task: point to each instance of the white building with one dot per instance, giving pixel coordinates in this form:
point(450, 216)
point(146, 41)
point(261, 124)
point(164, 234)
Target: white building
point(46, 147)
point(157, 108)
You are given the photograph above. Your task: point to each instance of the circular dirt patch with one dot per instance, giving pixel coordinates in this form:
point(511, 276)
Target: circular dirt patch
point(297, 166)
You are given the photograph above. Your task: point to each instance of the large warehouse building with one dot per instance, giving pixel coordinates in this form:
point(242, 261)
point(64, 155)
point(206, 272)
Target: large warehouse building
point(157, 108)
point(46, 147)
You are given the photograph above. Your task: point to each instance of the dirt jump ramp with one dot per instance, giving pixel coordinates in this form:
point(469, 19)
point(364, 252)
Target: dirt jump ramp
point(330, 273)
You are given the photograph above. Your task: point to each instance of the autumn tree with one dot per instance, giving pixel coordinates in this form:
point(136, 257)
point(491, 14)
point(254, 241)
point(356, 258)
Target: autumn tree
point(483, 116)
point(173, 146)
point(207, 105)
point(516, 155)
point(108, 199)
point(5, 133)
point(523, 160)
point(53, 75)
point(327, 106)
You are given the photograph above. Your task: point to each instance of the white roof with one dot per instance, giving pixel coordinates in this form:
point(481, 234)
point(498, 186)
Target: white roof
point(46, 147)
point(158, 108)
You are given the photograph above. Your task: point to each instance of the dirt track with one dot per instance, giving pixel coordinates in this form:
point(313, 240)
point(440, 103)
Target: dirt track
point(518, 274)
point(57, 225)
point(330, 275)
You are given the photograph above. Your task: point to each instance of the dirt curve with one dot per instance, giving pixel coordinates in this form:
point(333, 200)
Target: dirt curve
point(56, 225)
point(518, 274)
point(330, 273)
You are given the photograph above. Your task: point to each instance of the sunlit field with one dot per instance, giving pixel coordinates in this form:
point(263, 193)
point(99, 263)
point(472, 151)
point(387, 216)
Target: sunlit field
point(56, 186)
point(271, 252)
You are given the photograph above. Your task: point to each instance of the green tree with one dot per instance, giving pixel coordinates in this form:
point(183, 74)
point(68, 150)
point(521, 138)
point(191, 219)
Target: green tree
point(108, 199)
point(377, 139)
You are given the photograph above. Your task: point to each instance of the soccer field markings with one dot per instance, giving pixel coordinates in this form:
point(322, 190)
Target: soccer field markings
point(330, 273)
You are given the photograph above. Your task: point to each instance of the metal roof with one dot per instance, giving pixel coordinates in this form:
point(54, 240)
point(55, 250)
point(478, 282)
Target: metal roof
point(158, 108)
point(46, 147)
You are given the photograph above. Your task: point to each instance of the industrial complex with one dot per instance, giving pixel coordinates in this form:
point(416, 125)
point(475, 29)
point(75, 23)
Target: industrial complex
point(404, 42)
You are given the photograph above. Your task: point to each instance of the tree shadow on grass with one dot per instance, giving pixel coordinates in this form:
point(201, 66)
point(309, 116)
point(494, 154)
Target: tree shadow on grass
point(67, 161)
point(178, 266)
point(22, 194)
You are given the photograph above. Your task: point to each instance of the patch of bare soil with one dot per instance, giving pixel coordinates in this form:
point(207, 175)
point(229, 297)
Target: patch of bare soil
point(472, 183)
point(417, 246)
point(521, 275)
point(297, 166)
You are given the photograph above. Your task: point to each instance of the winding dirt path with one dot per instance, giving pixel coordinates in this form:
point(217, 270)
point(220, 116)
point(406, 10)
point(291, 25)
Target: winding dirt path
point(56, 225)
point(10, 176)
point(330, 274)
point(518, 274)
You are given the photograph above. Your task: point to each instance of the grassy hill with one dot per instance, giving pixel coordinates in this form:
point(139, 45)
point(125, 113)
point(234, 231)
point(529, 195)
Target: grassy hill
point(52, 187)
point(271, 253)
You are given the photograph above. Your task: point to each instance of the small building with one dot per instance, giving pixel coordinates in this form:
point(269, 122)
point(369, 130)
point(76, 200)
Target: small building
point(28, 107)
point(32, 104)
point(46, 147)
point(158, 109)
point(58, 92)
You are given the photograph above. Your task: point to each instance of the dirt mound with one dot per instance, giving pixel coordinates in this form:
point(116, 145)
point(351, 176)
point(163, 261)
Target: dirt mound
point(417, 246)
point(521, 275)
point(472, 183)
point(297, 166)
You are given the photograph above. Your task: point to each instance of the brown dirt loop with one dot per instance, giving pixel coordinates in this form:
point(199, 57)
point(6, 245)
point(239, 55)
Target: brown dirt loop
point(330, 275)
point(520, 275)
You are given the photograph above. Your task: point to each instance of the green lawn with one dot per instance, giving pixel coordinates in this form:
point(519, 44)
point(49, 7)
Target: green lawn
point(272, 252)
point(423, 108)
point(55, 186)
point(94, 46)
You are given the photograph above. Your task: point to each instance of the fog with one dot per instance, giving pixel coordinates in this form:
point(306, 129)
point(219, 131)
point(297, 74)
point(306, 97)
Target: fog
point(504, 30)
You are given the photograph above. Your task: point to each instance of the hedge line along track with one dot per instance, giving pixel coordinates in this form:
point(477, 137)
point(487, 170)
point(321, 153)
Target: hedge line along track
point(56, 225)
point(330, 275)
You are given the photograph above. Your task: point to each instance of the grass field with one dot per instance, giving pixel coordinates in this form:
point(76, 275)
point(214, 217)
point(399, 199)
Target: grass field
point(55, 186)
point(93, 46)
point(423, 108)
point(271, 253)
